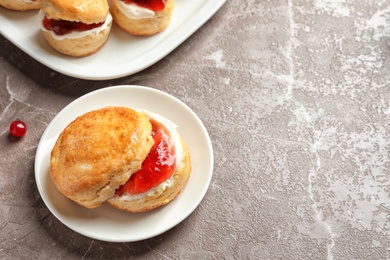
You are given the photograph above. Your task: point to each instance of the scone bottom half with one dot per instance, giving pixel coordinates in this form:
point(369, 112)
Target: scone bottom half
point(97, 153)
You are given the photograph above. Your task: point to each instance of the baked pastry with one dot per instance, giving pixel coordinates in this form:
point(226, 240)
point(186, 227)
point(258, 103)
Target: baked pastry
point(98, 152)
point(111, 154)
point(21, 5)
point(142, 18)
point(76, 27)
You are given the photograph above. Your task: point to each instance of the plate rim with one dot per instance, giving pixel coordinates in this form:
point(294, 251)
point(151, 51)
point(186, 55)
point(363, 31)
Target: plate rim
point(40, 157)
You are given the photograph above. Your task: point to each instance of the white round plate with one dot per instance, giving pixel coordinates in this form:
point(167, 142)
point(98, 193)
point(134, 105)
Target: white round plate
point(107, 223)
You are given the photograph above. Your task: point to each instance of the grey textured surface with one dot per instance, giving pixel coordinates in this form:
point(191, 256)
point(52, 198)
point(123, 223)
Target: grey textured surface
point(295, 95)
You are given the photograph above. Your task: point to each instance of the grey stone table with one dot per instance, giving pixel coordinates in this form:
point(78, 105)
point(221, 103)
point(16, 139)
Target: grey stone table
point(296, 97)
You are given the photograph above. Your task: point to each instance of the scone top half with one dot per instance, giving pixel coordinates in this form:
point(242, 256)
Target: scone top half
point(98, 152)
point(86, 11)
point(21, 5)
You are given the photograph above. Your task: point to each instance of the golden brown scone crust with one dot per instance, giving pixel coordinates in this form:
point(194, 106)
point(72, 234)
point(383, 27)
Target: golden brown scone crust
point(98, 152)
point(19, 5)
point(79, 47)
point(86, 11)
point(180, 179)
point(145, 26)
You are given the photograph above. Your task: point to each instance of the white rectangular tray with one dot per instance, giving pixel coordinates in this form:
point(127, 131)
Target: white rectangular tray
point(122, 55)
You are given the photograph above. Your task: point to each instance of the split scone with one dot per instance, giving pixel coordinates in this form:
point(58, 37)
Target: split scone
point(134, 160)
point(76, 27)
point(142, 17)
point(21, 5)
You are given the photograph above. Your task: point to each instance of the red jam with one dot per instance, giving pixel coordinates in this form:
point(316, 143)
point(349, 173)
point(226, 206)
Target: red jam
point(158, 166)
point(62, 27)
point(154, 5)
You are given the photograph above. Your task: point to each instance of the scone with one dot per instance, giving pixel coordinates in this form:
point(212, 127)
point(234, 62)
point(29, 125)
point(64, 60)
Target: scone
point(76, 27)
point(21, 5)
point(142, 18)
point(98, 152)
point(135, 160)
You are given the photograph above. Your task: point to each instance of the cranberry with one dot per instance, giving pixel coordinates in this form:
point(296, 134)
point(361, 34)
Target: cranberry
point(18, 128)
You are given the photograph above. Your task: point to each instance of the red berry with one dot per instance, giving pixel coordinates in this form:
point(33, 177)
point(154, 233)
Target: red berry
point(18, 128)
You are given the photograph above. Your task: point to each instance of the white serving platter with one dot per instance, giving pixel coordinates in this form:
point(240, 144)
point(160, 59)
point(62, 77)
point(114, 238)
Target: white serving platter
point(122, 55)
